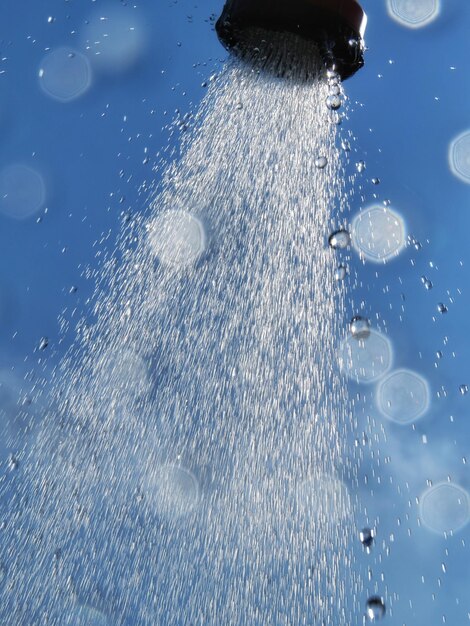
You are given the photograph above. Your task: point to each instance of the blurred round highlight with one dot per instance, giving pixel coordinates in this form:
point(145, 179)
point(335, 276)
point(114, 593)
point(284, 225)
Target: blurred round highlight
point(322, 499)
point(177, 238)
point(459, 156)
point(403, 396)
point(22, 191)
point(445, 508)
point(115, 39)
point(123, 372)
point(65, 74)
point(172, 490)
point(83, 615)
point(414, 13)
point(378, 234)
point(365, 360)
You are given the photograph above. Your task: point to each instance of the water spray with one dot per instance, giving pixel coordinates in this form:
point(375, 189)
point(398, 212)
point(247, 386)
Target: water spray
point(337, 28)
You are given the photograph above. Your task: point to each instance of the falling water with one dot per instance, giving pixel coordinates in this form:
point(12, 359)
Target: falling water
point(190, 468)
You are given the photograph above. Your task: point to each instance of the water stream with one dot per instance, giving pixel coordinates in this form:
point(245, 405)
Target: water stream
point(191, 467)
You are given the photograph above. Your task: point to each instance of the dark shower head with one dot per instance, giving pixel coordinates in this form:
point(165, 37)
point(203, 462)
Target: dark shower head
point(336, 26)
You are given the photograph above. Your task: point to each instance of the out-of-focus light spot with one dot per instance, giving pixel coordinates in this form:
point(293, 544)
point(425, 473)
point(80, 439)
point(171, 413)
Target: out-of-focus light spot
point(322, 499)
point(115, 39)
point(22, 191)
point(172, 490)
point(82, 615)
point(445, 508)
point(403, 396)
point(459, 156)
point(378, 234)
point(123, 371)
point(19, 412)
point(366, 360)
point(414, 13)
point(177, 238)
point(65, 74)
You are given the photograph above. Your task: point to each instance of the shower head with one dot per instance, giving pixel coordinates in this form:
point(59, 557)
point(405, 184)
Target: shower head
point(336, 26)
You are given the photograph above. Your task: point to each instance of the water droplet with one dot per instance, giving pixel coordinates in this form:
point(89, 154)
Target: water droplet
point(335, 89)
point(321, 162)
point(360, 327)
point(463, 389)
point(426, 282)
point(239, 106)
point(375, 181)
point(339, 240)
point(441, 307)
point(375, 608)
point(43, 343)
point(366, 537)
point(333, 102)
point(340, 273)
point(360, 166)
point(345, 145)
point(13, 463)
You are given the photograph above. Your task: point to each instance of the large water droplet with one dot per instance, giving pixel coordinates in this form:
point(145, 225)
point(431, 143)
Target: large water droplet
point(339, 240)
point(463, 389)
point(340, 273)
point(360, 166)
point(333, 102)
point(335, 89)
point(360, 327)
point(366, 537)
point(441, 307)
point(321, 162)
point(375, 608)
point(426, 282)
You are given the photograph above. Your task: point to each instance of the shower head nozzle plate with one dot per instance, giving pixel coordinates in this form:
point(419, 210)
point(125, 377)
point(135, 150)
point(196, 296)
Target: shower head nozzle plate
point(336, 26)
